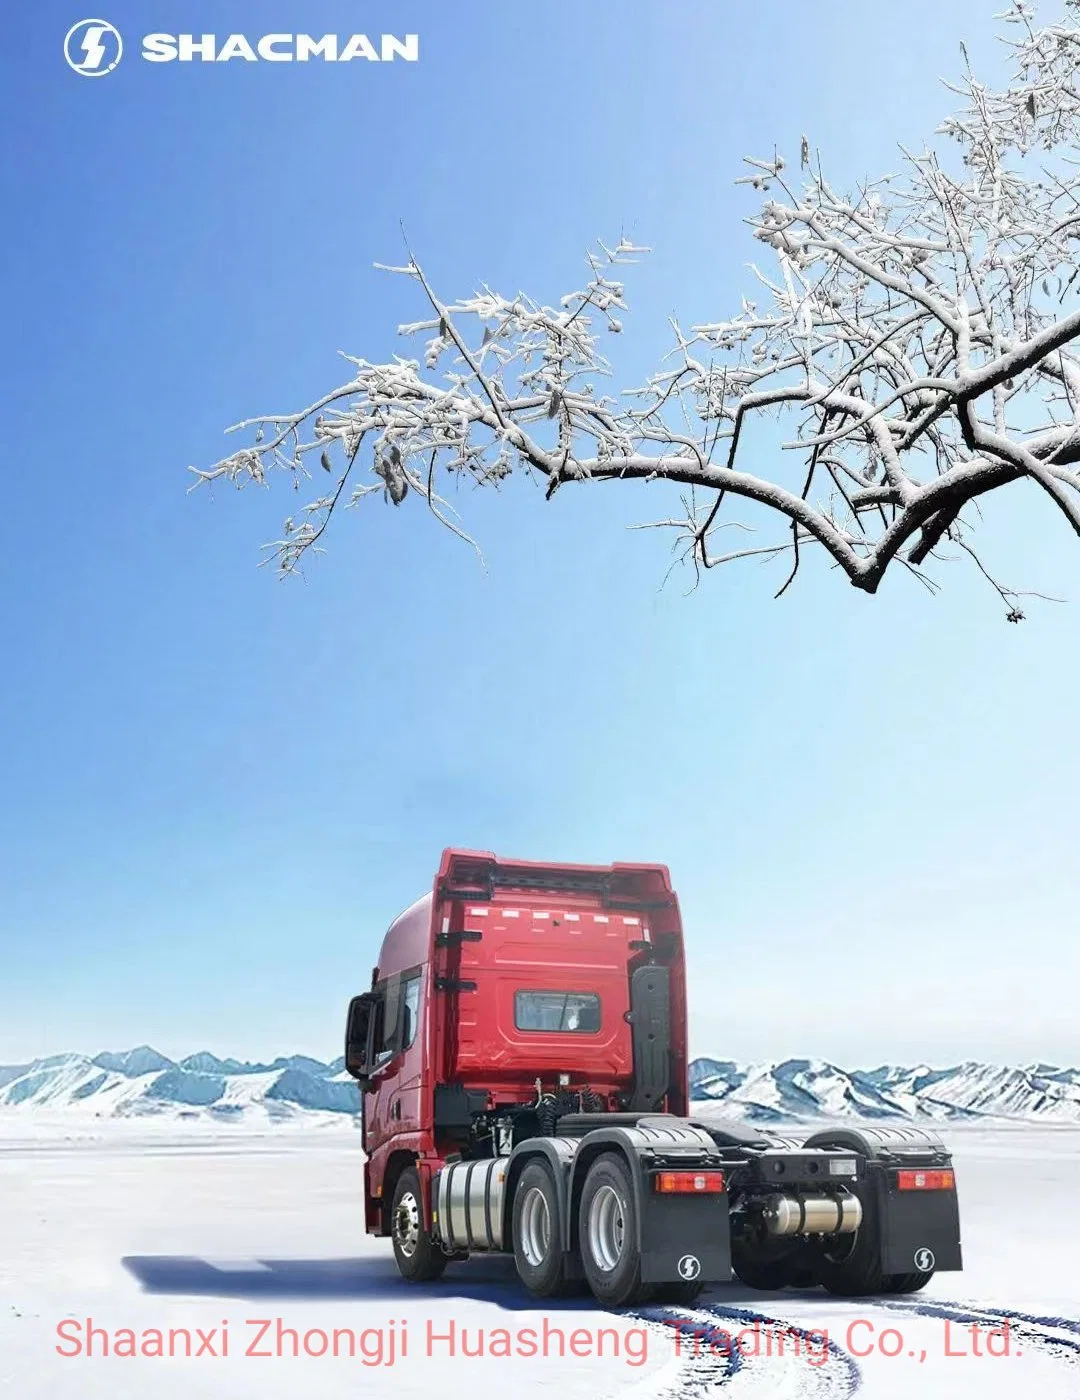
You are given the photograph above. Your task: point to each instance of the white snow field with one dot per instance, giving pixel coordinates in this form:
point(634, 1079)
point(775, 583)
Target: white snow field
point(214, 1231)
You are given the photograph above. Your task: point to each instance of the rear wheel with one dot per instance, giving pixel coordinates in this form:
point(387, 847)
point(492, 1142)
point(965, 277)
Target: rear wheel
point(907, 1283)
point(850, 1267)
point(416, 1254)
point(609, 1234)
point(856, 1273)
point(769, 1275)
point(860, 1275)
point(538, 1233)
point(677, 1295)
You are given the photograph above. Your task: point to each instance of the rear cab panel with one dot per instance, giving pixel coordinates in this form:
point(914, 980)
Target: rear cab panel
point(536, 964)
point(551, 991)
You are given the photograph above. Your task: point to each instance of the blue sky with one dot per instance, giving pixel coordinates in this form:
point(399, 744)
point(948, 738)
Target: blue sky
point(219, 789)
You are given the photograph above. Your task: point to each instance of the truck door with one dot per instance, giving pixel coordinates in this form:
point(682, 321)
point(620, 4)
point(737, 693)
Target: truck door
point(392, 1105)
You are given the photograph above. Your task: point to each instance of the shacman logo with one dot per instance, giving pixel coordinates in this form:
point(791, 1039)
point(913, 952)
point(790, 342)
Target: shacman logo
point(93, 48)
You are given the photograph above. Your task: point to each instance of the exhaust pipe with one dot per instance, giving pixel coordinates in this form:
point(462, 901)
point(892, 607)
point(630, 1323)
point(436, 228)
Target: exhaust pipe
point(839, 1214)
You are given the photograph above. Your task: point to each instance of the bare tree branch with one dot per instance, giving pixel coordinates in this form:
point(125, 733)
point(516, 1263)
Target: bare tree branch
point(919, 336)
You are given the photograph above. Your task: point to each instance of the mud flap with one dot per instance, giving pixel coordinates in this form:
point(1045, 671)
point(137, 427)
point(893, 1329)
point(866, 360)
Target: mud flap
point(685, 1238)
point(920, 1230)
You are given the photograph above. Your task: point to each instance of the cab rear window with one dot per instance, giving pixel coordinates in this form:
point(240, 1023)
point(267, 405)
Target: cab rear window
point(557, 1011)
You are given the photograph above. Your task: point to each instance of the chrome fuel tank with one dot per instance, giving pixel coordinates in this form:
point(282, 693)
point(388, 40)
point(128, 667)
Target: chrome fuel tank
point(807, 1213)
point(468, 1200)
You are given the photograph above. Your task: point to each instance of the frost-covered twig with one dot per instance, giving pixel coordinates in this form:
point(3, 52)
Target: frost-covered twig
point(918, 335)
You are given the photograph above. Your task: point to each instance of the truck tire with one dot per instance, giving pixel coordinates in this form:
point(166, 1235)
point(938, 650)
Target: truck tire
point(608, 1232)
point(418, 1257)
point(538, 1232)
point(852, 1267)
point(907, 1283)
point(676, 1295)
point(768, 1275)
point(854, 1270)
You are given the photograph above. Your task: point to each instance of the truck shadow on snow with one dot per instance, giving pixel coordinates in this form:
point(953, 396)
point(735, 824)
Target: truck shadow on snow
point(492, 1281)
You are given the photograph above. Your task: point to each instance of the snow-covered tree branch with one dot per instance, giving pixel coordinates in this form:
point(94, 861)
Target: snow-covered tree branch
point(914, 339)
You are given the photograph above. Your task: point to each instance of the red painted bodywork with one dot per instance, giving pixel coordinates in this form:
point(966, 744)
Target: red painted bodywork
point(546, 928)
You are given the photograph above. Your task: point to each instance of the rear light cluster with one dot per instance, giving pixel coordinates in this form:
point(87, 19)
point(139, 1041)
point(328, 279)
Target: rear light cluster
point(926, 1181)
point(688, 1183)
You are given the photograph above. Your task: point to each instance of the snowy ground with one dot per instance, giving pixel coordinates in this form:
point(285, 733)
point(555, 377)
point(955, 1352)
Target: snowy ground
point(166, 1228)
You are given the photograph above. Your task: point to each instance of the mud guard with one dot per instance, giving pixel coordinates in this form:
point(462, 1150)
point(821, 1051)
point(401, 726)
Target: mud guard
point(680, 1238)
point(559, 1156)
point(917, 1231)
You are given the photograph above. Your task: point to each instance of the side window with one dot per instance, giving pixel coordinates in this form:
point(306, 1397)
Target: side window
point(386, 1028)
point(397, 1012)
point(383, 1052)
point(375, 1035)
point(557, 1011)
point(411, 1003)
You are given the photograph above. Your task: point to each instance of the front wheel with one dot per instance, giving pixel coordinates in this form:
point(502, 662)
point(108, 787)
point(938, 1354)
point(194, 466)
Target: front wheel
point(609, 1234)
point(418, 1257)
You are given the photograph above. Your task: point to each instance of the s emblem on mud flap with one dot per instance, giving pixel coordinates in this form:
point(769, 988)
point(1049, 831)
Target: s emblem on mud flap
point(924, 1260)
point(689, 1266)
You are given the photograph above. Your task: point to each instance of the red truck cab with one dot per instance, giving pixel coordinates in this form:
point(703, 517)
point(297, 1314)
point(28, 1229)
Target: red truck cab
point(514, 985)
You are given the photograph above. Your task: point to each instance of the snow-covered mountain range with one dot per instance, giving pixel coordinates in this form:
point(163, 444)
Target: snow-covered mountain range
point(142, 1083)
point(800, 1090)
point(145, 1084)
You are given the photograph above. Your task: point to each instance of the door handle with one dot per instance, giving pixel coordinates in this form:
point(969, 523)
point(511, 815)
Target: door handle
point(395, 1109)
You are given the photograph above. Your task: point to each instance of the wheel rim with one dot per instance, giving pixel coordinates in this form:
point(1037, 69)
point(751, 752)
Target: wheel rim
point(606, 1228)
point(535, 1227)
point(407, 1224)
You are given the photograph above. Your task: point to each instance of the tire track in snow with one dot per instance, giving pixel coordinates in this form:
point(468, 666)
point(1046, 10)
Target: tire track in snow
point(1041, 1332)
point(841, 1376)
point(707, 1356)
point(835, 1379)
point(694, 1370)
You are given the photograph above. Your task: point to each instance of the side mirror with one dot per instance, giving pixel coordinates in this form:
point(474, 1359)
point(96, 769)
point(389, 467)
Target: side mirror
point(357, 1024)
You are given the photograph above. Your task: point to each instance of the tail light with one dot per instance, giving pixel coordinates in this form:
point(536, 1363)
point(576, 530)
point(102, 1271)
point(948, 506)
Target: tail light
point(926, 1181)
point(688, 1183)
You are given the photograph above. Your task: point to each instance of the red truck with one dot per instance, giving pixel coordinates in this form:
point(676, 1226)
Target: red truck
point(522, 1058)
